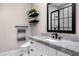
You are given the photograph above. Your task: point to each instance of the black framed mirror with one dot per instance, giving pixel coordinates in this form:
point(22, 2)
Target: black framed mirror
point(61, 17)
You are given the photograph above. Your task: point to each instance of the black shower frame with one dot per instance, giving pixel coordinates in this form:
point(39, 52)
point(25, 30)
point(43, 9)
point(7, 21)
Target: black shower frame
point(73, 20)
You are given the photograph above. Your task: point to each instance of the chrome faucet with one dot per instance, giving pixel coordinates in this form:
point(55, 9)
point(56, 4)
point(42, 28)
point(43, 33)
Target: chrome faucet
point(56, 36)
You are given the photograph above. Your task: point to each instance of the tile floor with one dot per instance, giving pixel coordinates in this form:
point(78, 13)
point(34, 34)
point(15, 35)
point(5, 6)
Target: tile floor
point(16, 52)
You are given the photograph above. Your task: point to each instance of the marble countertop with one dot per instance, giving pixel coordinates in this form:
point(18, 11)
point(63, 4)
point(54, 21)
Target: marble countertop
point(72, 45)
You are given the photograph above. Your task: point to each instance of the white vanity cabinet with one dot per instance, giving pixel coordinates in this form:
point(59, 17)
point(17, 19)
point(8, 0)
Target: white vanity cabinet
point(47, 50)
point(33, 49)
point(59, 53)
point(38, 49)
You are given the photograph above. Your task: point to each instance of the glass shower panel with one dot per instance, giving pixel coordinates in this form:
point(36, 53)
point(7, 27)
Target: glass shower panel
point(70, 29)
point(70, 11)
point(56, 25)
point(53, 24)
point(49, 25)
point(66, 29)
point(61, 28)
point(56, 15)
point(65, 12)
point(66, 22)
point(53, 16)
point(61, 22)
point(70, 22)
point(56, 20)
point(60, 17)
point(61, 13)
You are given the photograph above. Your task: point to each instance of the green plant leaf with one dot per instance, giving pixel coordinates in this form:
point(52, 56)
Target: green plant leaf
point(32, 13)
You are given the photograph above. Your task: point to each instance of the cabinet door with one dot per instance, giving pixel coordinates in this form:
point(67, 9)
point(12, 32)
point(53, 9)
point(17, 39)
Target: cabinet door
point(42, 50)
point(34, 52)
point(34, 49)
point(47, 50)
point(59, 53)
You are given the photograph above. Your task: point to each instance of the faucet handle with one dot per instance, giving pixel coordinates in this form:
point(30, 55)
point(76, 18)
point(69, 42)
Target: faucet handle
point(53, 37)
point(59, 38)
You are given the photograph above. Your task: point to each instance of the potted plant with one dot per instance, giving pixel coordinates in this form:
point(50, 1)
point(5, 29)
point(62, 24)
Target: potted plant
point(32, 14)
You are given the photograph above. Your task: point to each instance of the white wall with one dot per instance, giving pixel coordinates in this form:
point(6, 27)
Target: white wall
point(11, 15)
point(41, 27)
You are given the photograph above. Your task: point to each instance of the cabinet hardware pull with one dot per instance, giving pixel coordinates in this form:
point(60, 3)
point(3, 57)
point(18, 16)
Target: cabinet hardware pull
point(31, 42)
point(31, 49)
point(28, 52)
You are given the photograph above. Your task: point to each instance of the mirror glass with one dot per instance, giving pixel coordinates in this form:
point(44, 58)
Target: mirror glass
point(60, 17)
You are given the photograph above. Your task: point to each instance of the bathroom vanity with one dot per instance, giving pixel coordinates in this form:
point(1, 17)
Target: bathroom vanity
point(40, 46)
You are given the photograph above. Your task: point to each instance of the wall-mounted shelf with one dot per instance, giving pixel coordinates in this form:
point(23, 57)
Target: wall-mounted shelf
point(34, 21)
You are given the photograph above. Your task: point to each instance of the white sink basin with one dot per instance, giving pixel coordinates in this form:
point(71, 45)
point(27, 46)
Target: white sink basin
point(51, 40)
